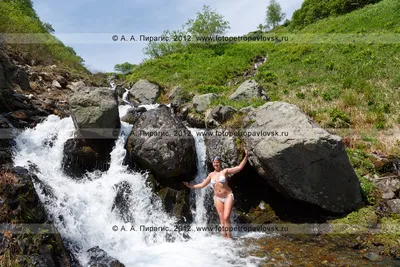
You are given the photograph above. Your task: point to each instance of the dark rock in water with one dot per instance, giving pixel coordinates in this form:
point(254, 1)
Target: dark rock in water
point(100, 258)
point(82, 155)
point(123, 200)
point(301, 160)
point(176, 203)
point(161, 143)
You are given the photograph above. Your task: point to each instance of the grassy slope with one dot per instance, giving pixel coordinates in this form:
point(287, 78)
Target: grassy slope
point(17, 16)
point(353, 88)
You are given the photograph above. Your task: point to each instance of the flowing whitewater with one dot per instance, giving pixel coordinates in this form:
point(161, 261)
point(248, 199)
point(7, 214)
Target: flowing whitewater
point(83, 210)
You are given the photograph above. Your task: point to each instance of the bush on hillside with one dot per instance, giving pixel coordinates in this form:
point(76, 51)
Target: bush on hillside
point(313, 10)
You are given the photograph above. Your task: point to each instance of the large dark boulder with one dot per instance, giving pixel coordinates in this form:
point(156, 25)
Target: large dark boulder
point(95, 112)
point(301, 160)
point(82, 155)
point(161, 143)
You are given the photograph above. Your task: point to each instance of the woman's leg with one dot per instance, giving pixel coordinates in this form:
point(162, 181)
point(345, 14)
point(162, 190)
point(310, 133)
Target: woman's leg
point(227, 213)
point(220, 209)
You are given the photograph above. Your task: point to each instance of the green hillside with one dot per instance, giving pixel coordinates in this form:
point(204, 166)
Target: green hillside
point(19, 17)
point(338, 70)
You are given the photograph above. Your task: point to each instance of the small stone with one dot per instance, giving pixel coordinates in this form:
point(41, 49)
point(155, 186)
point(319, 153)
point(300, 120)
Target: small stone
point(56, 84)
point(324, 262)
point(372, 256)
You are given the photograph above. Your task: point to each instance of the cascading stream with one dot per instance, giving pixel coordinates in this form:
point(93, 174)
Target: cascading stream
point(83, 210)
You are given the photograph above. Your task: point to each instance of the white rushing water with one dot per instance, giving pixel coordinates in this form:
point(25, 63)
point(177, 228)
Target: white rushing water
point(83, 209)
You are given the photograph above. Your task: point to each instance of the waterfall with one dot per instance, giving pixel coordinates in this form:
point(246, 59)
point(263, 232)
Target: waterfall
point(200, 211)
point(84, 214)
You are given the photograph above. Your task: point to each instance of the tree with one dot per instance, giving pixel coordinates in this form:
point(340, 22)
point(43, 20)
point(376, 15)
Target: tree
point(274, 14)
point(262, 28)
point(207, 23)
point(124, 68)
point(48, 27)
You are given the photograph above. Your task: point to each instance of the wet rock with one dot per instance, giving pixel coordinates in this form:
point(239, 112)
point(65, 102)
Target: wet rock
point(176, 203)
point(145, 92)
point(161, 143)
point(82, 155)
point(122, 201)
point(300, 160)
point(100, 258)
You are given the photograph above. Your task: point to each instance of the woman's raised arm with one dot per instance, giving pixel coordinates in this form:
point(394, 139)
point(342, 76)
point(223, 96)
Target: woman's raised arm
point(230, 171)
point(200, 185)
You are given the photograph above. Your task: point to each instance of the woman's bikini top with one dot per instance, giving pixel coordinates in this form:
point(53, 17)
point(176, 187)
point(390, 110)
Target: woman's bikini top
point(221, 180)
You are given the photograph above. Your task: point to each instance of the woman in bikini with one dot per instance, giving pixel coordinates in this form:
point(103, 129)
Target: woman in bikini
point(223, 196)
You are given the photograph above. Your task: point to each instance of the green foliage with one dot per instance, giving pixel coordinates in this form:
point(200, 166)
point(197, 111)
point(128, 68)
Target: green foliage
point(124, 68)
point(168, 43)
point(360, 160)
point(205, 89)
point(207, 23)
point(18, 16)
point(265, 75)
point(274, 14)
point(339, 118)
point(368, 191)
point(313, 10)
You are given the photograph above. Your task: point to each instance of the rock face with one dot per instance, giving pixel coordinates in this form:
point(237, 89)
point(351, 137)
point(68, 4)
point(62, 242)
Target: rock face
point(6, 141)
point(95, 112)
point(248, 89)
point(302, 161)
point(201, 102)
point(170, 158)
point(224, 147)
point(222, 113)
point(145, 92)
point(20, 245)
point(100, 258)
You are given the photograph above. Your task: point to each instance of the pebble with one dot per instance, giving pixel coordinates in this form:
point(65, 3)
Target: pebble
point(372, 256)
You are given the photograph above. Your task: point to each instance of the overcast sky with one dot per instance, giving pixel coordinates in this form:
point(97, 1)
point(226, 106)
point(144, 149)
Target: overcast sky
point(105, 18)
